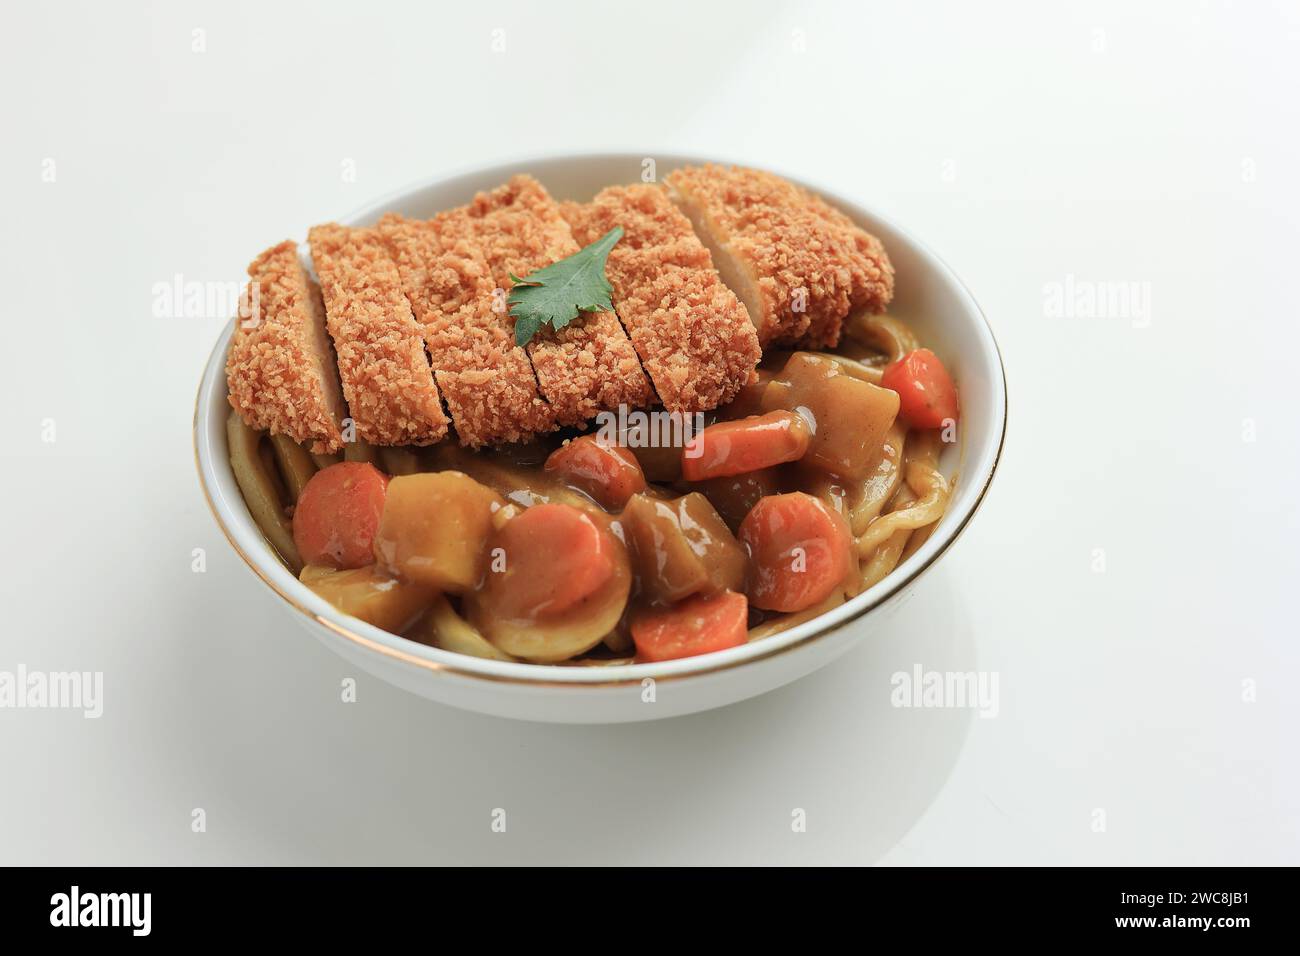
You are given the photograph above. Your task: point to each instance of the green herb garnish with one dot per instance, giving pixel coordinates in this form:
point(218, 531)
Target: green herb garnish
point(556, 294)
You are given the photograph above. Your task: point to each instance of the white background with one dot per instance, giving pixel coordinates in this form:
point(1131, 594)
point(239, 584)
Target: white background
point(1026, 143)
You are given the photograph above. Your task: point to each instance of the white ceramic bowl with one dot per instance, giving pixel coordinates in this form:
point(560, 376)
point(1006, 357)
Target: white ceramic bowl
point(928, 296)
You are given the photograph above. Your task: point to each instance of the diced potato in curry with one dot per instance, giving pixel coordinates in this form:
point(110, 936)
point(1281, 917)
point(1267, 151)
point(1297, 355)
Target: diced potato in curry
point(435, 528)
point(444, 628)
point(734, 495)
point(548, 640)
point(850, 417)
point(371, 594)
point(557, 584)
point(681, 547)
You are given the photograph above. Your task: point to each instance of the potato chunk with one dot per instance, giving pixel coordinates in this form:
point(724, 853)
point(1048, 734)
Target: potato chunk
point(558, 584)
point(681, 547)
point(549, 640)
point(435, 528)
point(371, 594)
point(735, 495)
point(849, 416)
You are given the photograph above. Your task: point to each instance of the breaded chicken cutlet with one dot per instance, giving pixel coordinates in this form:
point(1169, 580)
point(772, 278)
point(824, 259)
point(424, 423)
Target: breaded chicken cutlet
point(456, 270)
point(799, 265)
point(281, 370)
point(588, 366)
point(386, 377)
point(484, 377)
point(692, 333)
point(711, 268)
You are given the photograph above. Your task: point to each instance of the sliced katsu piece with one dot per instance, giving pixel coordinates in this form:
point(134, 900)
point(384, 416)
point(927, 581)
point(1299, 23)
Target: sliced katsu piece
point(386, 376)
point(798, 264)
point(872, 272)
point(589, 365)
point(484, 377)
point(692, 333)
point(281, 369)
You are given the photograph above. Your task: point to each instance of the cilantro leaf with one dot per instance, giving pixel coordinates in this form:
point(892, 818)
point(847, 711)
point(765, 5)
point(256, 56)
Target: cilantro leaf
point(556, 294)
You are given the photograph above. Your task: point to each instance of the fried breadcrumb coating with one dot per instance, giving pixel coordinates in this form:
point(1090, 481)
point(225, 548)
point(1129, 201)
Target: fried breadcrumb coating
point(386, 376)
point(714, 266)
point(485, 378)
point(280, 369)
point(798, 264)
point(588, 366)
point(691, 332)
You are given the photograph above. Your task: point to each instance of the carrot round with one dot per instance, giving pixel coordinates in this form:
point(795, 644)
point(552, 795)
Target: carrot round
point(927, 397)
point(337, 514)
point(547, 561)
point(799, 551)
point(747, 444)
point(698, 625)
point(609, 473)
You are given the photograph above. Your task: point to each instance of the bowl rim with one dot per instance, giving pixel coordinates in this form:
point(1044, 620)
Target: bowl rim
point(435, 660)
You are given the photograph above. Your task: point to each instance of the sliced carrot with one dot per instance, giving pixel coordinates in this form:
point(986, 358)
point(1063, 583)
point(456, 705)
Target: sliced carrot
point(799, 551)
point(927, 397)
point(337, 514)
point(546, 561)
point(698, 625)
point(748, 444)
point(609, 473)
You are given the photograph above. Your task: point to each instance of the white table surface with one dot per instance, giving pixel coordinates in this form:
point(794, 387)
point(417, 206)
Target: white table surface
point(1121, 142)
